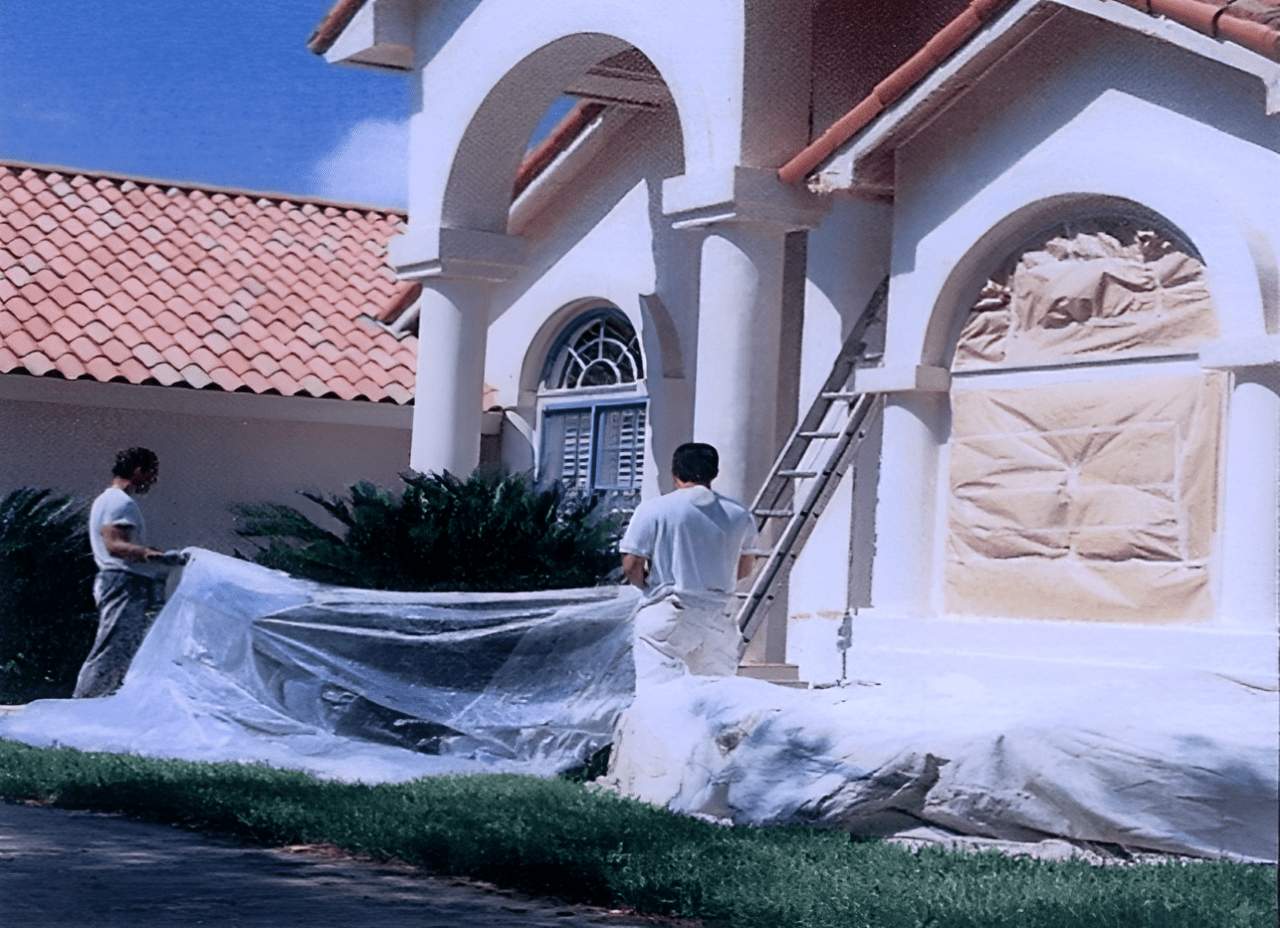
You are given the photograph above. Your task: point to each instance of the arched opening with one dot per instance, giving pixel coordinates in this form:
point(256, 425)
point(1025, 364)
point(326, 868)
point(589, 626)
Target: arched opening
point(1085, 439)
point(592, 410)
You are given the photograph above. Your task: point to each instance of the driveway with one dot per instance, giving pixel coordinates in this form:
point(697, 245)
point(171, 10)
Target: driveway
point(79, 869)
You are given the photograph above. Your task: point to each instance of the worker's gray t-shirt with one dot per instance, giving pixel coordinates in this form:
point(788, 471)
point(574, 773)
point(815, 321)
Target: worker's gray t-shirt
point(692, 539)
point(116, 507)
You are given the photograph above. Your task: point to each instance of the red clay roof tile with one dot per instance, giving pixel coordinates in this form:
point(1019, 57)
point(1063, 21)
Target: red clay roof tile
point(1253, 24)
point(152, 282)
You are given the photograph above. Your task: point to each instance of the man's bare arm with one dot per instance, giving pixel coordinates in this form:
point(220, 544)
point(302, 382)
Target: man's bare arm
point(119, 545)
point(635, 567)
point(746, 564)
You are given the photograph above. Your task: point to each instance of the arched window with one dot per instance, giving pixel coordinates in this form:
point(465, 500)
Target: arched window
point(593, 410)
point(1084, 452)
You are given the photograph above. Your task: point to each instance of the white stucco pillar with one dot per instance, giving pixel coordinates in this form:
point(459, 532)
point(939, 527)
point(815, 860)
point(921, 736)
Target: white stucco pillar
point(739, 327)
point(453, 325)
point(902, 583)
point(1251, 510)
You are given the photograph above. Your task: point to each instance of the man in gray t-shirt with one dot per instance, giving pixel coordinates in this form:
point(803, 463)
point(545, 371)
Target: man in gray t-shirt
point(130, 573)
point(686, 551)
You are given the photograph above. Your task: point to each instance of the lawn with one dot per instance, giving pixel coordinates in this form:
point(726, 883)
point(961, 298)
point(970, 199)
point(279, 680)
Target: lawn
point(566, 839)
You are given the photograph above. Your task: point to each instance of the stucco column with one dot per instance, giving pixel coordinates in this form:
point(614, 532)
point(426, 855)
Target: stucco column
point(739, 327)
point(1250, 542)
point(902, 583)
point(453, 324)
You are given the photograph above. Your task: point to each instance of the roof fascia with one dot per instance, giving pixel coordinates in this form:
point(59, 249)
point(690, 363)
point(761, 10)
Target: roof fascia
point(377, 34)
point(857, 168)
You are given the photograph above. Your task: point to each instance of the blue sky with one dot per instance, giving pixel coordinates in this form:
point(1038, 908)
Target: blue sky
point(220, 92)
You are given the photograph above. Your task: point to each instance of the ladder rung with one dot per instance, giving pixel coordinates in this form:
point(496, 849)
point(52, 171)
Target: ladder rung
point(797, 473)
point(820, 434)
point(773, 513)
point(758, 552)
point(840, 395)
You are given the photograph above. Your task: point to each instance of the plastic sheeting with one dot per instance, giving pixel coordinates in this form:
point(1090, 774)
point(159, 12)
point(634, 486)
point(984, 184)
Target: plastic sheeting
point(1181, 763)
point(1089, 295)
point(1087, 500)
point(247, 664)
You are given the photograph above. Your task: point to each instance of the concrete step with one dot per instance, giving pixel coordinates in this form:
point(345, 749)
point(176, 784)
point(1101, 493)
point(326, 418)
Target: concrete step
point(781, 674)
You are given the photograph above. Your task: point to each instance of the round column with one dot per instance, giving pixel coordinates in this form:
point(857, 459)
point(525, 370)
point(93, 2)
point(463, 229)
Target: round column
point(739, 328)
point(1250, 542)
point(453, 325)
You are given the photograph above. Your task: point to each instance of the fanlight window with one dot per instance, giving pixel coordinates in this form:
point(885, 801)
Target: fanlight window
point(592, 425)
point(601, 352)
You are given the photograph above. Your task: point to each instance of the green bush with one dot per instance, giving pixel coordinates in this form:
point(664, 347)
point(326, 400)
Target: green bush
point(47, 616)
point(483, 534)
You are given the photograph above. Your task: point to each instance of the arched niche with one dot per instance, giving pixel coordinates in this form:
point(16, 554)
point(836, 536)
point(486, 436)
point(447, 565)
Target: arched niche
point(1084, 456)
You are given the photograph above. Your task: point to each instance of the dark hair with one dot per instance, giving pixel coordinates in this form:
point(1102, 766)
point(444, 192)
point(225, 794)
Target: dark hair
point(695, 462)
point(130, 459)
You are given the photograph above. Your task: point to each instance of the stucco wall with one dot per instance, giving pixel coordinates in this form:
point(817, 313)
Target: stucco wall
point(214, 449)
point(1084, 112)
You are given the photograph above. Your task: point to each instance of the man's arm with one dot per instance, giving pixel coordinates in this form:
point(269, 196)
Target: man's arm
point(746, 564)
point(636, 568)
point(119, 545)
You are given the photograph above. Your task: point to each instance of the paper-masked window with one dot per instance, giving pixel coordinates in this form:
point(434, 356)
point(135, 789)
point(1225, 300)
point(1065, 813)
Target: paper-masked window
point(1092, 496)
point(1109, 287)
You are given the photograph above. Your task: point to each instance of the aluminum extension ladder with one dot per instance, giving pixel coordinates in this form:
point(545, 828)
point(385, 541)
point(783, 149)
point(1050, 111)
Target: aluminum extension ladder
point(809, 469)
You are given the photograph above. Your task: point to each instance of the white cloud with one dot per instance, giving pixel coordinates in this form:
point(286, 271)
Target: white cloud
point(370, 165)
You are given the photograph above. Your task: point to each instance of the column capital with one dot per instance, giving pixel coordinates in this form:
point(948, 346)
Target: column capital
point(743, 195)
point(456, 253)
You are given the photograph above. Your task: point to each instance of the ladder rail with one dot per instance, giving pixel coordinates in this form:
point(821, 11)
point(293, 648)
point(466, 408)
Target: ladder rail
point(778, 495)
point(774, 489)
point(802, 520)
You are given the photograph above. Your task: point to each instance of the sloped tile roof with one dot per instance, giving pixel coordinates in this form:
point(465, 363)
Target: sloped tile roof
point(1253, 24)
point(117, 279)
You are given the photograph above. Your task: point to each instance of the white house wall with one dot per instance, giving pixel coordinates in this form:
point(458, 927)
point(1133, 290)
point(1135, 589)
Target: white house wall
point(848, 256)
point(215, 449)
point(1103, 113)
point(595, 244)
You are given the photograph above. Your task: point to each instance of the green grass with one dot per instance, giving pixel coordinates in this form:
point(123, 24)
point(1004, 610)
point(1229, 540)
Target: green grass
point(560, 838)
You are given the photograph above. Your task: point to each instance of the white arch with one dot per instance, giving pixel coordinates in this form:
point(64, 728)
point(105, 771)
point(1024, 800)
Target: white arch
point(488, 84)
point(1191, 193)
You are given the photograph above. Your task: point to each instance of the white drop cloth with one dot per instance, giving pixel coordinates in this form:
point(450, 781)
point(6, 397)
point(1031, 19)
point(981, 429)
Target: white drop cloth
point(1186, 765)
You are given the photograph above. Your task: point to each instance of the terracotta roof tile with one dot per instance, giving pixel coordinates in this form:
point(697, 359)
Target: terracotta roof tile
point(1253, 24)
point(117, 279)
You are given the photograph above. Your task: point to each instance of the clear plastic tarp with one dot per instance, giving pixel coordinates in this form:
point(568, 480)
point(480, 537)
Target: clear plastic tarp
point(248, 664)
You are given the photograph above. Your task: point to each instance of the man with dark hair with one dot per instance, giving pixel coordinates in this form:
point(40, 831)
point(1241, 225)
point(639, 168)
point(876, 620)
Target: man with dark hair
point(686, 551)
point(130, 580)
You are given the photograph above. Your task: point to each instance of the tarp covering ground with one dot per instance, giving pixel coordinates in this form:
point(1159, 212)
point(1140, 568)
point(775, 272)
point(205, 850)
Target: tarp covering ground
point(246, 664)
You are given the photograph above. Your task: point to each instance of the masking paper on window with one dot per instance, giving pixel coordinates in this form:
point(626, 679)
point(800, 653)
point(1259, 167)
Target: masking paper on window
point(1090, 500)
point(1089, 294)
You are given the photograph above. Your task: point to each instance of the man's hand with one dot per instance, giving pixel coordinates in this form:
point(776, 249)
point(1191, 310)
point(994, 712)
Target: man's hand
point(119, 545)
point(746, 565)
point(636, 568)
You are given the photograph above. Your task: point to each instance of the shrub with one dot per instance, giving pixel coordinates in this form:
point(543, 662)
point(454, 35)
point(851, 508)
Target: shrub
point(483, 534)
point(47, 616)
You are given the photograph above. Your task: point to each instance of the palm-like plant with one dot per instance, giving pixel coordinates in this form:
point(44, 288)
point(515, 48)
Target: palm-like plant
point(487, 533)
point(47, 615)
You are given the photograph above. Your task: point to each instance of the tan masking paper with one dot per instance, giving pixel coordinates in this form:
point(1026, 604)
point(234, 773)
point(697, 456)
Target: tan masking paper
point(1094, 501)
point(1084, 296)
